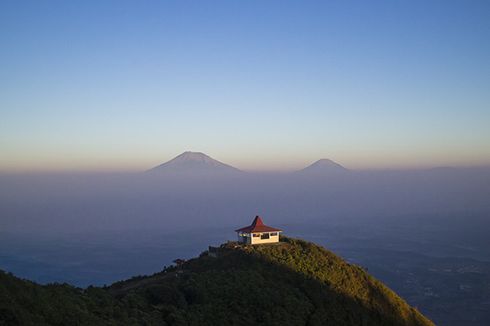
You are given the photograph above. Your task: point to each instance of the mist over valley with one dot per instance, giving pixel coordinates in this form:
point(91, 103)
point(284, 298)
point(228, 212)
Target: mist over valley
point(404, 226)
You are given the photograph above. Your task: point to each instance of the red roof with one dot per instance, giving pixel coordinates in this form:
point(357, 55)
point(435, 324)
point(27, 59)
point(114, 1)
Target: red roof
point(257, 226)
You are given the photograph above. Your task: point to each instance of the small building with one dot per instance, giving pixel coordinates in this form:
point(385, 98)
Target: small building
point(258, 233)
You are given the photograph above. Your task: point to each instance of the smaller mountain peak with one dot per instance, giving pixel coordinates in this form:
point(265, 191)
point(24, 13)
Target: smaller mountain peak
point(324, 166)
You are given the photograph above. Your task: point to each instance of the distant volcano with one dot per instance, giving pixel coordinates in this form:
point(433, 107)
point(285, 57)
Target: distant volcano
point(324, 167)
point(193, 163)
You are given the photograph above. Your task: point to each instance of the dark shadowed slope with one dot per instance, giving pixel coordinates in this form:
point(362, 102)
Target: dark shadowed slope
point(323, 167)
point(290, 283)
point(193, 163)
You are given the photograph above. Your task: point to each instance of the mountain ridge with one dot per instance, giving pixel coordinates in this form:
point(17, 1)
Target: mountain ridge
point(293, 282)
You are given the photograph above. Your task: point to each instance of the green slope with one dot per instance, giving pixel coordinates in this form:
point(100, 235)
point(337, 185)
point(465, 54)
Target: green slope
point(290, 283)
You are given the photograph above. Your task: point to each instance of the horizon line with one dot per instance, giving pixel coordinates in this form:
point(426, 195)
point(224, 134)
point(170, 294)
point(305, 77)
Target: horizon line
point(110, 170)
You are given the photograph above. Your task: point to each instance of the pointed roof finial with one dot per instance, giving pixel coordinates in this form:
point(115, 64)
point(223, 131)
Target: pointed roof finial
point(257, 221)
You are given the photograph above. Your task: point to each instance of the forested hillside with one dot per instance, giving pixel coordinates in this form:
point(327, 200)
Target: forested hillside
point(290, 283)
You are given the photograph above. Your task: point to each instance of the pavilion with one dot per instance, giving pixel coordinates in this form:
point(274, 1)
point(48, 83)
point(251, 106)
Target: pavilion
point(258, 233)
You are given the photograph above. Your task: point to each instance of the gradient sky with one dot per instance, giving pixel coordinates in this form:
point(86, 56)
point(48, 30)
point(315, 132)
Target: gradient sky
point(261, 85)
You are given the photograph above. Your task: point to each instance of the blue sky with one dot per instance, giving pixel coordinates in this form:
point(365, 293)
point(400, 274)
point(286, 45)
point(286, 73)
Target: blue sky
point(262, 85)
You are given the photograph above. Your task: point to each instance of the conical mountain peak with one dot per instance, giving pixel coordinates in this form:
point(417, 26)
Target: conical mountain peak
point(193, 163)
point(324, 166)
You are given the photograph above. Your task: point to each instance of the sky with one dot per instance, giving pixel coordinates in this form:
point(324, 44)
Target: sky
point(262, 85)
